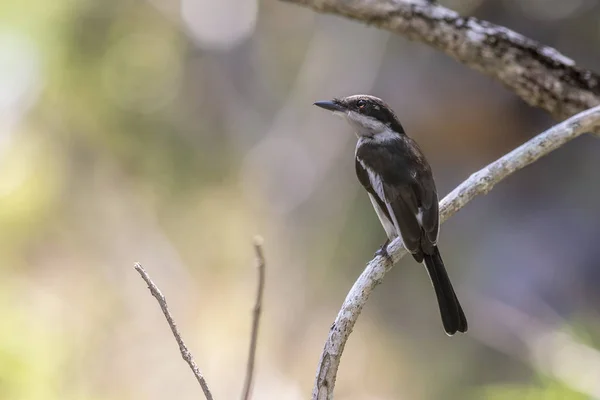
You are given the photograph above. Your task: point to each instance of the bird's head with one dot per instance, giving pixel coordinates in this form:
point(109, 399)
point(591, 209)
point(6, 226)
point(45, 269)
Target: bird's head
point(369, 115)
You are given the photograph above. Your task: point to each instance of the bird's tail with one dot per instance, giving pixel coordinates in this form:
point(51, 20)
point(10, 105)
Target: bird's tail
point(453, 317)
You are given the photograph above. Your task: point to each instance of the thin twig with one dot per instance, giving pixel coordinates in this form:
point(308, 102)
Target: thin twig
point(478, 183)
point(185, 353)
point(260, 261)
point(539, 74)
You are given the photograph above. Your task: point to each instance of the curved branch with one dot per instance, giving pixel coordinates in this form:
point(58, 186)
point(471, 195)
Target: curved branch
point(539, 74)
point(478, 183)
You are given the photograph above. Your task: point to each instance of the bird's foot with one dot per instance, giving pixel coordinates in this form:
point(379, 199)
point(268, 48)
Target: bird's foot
point(383, 251)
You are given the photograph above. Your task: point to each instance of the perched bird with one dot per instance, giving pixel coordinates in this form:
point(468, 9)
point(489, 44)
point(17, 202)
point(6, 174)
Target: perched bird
point(398, 178)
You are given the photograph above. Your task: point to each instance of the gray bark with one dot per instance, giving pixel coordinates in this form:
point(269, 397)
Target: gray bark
point(538, 74)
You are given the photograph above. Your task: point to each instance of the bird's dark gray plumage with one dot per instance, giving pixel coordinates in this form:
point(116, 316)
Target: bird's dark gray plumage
point(394, 171)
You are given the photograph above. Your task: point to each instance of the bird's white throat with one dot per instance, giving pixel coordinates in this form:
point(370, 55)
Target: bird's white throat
point(370, 128)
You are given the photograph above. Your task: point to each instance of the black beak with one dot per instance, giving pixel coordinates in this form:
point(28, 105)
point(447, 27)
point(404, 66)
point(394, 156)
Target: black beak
point(330, 105)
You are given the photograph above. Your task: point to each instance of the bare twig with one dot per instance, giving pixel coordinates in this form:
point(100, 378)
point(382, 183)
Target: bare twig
point(260, 260)
point(539, 74)
point(185, 353)
point(478, 183)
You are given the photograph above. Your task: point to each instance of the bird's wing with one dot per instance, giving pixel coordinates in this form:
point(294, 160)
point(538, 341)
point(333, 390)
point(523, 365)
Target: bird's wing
point(394, 197)
point(422, 193)
point(373, 185)
point(401, 179)
point(429, 207)
point(401, 202)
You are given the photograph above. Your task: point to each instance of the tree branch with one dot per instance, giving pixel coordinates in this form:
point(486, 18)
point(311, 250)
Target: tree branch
point(539, 74)
point(260, 260)
point(185, 353)
point(478, 183)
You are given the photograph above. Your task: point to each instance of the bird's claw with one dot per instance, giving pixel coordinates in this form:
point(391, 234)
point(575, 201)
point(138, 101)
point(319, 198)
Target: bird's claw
point(382, 252)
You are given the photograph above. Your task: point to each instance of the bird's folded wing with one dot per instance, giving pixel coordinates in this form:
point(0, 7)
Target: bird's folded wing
point(427, 201)
point(402, 205)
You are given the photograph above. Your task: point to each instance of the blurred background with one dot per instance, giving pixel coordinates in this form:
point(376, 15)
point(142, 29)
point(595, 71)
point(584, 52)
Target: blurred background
point(170, 132)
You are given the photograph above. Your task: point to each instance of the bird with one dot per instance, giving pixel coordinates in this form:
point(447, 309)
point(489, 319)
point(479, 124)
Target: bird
point(400, 184)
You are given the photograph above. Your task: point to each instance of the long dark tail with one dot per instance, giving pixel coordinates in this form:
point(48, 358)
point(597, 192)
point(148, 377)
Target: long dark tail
point(453, 317)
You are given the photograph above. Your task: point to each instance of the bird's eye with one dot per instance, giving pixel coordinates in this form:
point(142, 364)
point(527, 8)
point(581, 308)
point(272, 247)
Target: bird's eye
point(361, 104)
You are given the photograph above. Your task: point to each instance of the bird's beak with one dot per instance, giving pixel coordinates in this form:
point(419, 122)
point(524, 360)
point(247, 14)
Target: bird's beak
point(331, 106)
